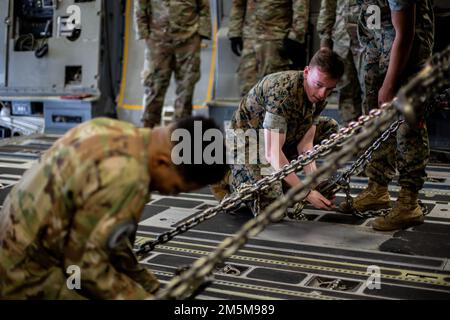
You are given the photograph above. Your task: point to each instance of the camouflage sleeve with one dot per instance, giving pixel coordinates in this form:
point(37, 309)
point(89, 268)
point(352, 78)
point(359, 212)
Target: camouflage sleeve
point(300, 19)
point(109, 197)
point(275, 99)
point(326, 19)
point(142, 15)
point(237, 17)
point(204, 28)
point(124, 260)
point(275, 122)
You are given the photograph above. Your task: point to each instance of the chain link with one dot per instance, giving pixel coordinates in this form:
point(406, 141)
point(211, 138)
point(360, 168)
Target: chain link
point(428, 82)
point(344, 182)
point(361, 162)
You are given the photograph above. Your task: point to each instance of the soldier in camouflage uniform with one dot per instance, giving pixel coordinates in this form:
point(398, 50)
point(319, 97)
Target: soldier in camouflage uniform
point(172, 30)
point(80, 205)
point(286, 106)
point(266, 29)
point(394, 52)
point(337, 28)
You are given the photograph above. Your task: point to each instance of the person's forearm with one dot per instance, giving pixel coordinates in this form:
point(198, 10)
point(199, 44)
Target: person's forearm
point(124, 261)
point(400, 54)
point(404, 24)
point(310, 167)
point(307, 143)
point(278, 162)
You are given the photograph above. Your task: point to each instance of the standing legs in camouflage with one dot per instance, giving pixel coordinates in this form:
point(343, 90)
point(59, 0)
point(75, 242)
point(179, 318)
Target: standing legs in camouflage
point(376, 195)
point(161, 59)
point(156, 79)
point(350, 100)
point(374, 65)
point(187, 74)
point(407, 152)
point(258, 59)
point(412, 157)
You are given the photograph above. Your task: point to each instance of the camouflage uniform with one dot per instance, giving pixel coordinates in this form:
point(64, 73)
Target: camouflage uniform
point(277, 102)
point(410, 148)
point(338, 22)
point(172, 30)
point(263, 25)
point(79, 205)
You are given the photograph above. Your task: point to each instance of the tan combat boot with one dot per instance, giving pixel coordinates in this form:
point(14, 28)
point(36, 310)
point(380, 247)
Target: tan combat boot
point(374, 197)
point(406, 213)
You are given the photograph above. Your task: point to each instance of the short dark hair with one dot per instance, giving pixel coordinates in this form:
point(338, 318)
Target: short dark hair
point(328, 62)
point(202, 173)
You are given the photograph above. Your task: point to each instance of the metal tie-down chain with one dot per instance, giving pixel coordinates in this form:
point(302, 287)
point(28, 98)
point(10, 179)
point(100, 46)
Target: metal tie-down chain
point(428, 82)
point(249, 191)
point(338, 182)
point(192, 279)
point(188, 281)
point(343, 182)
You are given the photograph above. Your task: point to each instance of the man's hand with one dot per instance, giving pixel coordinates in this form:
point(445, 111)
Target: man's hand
point(236, 45)
point(385, 94)
point(319, 201)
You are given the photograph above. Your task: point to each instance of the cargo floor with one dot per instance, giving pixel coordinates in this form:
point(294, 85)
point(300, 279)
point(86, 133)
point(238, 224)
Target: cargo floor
point(330, 256)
